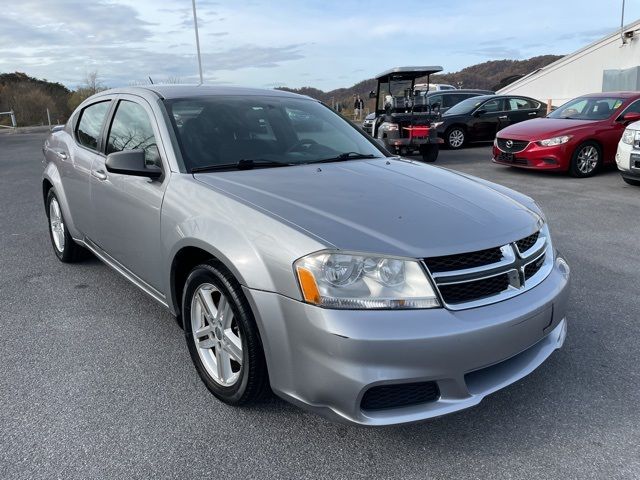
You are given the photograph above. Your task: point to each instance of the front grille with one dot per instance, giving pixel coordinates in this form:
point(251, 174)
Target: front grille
point(531, 269)
point(527, 242)
point(474, 290)
point(466, 280)
point(399, 395)
point(462, 261)
point(511, 146)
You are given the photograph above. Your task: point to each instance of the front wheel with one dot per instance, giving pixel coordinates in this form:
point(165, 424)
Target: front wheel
point(586, 160)
point(65, 248)
point(222, 336)
point(455, 137)
point(429, 152)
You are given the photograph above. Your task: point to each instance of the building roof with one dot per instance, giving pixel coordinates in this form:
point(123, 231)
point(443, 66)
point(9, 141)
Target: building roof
point(633, 26)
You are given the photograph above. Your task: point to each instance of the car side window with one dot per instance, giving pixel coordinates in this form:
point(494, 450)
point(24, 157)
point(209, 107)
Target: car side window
point(491, 106)
point(435, 99)
point(634, 107)
point(520, 104)
point(90, 125)
point(131, 130)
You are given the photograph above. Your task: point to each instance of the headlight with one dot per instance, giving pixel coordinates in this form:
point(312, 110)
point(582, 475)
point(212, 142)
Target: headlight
point(550, 142)
point(360, 281)
point(436, 124)
point(630, 135)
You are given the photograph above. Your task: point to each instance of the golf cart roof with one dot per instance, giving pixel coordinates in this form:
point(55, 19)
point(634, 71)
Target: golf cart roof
point(410, 73)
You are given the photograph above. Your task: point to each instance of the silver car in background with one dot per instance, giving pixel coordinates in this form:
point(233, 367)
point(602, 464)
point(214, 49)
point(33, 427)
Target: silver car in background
point(297, 254)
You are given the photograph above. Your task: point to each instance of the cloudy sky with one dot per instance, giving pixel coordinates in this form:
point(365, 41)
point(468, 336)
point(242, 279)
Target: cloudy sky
point(266, 43)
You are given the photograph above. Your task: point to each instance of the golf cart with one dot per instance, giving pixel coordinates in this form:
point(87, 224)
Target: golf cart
point(403, 120)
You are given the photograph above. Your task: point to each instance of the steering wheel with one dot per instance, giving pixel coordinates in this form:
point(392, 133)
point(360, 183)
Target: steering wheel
point(300, 145)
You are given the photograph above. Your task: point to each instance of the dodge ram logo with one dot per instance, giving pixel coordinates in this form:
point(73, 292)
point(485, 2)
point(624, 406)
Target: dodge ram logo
point(509, 143)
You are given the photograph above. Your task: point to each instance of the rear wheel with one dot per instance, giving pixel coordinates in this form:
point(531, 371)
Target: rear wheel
point(455, 137)
point(429, 152)
point(631, 181)
point(222, 336)
point(65, 248)
point(586, 160)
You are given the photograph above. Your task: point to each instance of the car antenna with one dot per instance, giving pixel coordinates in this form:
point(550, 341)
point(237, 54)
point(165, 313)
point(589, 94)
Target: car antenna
point(150, 80)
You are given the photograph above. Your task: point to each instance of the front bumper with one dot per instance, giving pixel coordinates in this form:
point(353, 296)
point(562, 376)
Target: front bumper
point(325, 360)
point(535, 157)
point(627, 167)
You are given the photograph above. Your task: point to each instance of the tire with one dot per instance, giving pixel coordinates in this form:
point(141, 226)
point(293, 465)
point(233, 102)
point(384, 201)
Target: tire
point(586, 160)
point(65, 248)
point(455, 137)
point(631, 181)
point(429, 152)
point(227, 353)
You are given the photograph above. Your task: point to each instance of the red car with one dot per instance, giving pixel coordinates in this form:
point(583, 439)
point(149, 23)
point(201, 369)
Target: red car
point(579, 137)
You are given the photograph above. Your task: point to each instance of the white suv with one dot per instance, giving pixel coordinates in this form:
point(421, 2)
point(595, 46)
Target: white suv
point(628, 154)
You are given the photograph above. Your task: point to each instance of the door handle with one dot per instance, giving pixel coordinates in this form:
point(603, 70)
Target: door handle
point(533, 113)
point(61, 155)
point(503, 117)
point(99, 174)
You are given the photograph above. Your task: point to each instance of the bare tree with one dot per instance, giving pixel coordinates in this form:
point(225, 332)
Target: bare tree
point(91, 85)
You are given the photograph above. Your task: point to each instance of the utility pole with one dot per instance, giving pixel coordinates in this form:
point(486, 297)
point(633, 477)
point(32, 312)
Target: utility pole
point(195, 24)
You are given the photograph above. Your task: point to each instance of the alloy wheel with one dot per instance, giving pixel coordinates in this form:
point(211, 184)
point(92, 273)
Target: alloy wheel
point(216, 335)
point(456, 138)
point(587, 159)
point(56, 223)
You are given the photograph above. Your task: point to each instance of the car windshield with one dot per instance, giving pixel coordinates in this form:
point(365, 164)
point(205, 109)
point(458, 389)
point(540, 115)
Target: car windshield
point(588, 108)
point(465, 106)
point(267, 130)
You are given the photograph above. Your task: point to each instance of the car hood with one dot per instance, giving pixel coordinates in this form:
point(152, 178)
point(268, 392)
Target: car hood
point(541, 128)
point(390, 206)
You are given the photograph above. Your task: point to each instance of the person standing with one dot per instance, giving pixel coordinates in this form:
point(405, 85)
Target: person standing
point(358, 107)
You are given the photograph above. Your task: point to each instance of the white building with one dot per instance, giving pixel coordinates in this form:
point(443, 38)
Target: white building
point(612, 63)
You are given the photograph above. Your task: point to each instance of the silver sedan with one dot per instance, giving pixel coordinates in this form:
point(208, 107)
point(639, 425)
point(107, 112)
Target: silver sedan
point(298, 254)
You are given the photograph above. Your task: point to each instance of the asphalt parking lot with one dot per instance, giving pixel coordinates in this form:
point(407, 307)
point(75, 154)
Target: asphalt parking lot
point(96, 380)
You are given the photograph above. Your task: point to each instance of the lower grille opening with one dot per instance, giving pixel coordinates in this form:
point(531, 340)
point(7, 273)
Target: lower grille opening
point(399, 395)
point(469, 291)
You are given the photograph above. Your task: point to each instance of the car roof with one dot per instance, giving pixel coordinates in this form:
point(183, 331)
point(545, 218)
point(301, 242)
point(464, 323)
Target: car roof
point(488, 97)
point(409, 72)
point(459, 90)
point(183, 91)
point(621, 94)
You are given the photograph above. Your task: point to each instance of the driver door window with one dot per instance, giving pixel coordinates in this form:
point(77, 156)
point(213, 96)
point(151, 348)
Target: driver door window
point(131, 130)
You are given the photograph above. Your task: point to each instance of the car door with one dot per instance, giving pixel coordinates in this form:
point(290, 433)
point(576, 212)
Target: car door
point(610, 132)
point(126, 208)
point(520, 109)
point(487, 119)
point(76, 160)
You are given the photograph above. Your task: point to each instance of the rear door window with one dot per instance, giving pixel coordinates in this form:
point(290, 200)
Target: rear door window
point(90, 125)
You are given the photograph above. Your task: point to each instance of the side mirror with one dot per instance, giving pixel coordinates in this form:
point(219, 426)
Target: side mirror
point(479, 112)
point(372, 94)
point(629, 117)
point(131, 162)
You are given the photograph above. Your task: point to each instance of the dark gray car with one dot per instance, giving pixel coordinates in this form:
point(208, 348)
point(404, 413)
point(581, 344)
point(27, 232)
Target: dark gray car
point(298, 255)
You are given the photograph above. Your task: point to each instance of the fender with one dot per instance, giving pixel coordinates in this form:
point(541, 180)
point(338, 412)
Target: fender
point(248, 246)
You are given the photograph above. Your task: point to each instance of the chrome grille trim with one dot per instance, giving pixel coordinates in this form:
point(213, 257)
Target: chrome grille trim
point(513, 264)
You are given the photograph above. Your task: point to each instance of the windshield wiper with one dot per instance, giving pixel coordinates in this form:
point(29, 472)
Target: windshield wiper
point(244, 164)
point(345, 156)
